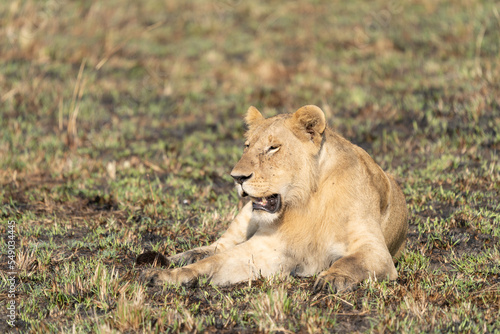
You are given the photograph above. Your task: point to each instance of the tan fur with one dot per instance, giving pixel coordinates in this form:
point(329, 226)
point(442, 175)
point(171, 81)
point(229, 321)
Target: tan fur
point(341, 217)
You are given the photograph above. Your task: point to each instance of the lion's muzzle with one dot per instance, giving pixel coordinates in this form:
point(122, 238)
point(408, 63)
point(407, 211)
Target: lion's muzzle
point(271, 204)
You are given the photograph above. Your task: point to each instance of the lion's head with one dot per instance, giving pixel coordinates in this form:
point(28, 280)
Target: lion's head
point(279, 166)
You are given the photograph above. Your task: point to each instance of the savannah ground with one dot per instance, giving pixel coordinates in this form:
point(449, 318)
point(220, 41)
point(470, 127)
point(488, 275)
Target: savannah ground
point(121, 120)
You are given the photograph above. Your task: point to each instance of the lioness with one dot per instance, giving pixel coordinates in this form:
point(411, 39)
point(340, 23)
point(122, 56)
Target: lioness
point(318, 204)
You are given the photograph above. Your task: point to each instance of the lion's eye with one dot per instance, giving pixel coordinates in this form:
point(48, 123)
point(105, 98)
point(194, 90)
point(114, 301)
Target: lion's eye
point(273, 149)
point(247, 145)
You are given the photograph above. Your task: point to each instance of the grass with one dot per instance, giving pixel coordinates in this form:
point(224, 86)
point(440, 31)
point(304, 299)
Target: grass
point(121, 121)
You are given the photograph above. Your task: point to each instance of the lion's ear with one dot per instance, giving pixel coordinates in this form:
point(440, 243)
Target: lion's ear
point(311, 120)
point(253, 115)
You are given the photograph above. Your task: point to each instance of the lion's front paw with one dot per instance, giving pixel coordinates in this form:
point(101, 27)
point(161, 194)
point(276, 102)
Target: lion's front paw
point(189, 257)
point(155, 277)
point(336, 282)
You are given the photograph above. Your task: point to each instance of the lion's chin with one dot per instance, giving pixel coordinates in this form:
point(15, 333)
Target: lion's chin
point(271, 204)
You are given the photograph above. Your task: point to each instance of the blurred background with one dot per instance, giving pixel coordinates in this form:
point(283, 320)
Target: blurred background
point(156, 79)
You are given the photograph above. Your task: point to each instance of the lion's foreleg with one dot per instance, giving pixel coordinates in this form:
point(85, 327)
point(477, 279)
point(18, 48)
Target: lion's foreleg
point(192, 256)
point(249, 260)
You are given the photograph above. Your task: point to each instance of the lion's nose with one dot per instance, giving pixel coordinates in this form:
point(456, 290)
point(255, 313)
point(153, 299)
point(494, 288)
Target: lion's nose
point(241, 178)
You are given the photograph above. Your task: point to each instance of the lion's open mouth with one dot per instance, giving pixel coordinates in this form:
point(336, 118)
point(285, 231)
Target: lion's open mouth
point(269, 204)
